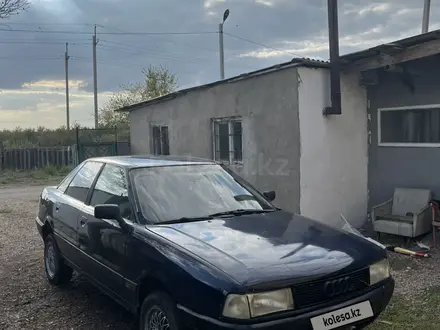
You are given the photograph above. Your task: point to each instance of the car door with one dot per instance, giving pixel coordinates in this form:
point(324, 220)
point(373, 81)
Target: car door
point(102, 240)
point(63, 225)
point(68, 208)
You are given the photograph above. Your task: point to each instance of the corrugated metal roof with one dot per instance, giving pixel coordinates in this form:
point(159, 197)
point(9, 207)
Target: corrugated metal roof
point(306, 62)
point(402, 44)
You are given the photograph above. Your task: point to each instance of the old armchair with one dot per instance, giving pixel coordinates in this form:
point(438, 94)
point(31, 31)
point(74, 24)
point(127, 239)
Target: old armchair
point(407, 214)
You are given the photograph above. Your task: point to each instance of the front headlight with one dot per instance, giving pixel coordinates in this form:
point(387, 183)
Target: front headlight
point(379, 271)
point(257, 304)
point(236, 307)
point(270, 302)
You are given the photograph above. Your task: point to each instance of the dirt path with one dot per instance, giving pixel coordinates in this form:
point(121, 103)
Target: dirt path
point(27, 193)
point(27, 301)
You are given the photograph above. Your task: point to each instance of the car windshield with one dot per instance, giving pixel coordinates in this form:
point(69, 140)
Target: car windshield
point(192, 191)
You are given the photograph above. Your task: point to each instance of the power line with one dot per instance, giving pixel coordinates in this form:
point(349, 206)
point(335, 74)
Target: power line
point(83, 59)
point(168, 40)
point(39, 42)
point(50, 24)
point(26, 58)
point(141, 50)
point(108, 33)
point(260, 44)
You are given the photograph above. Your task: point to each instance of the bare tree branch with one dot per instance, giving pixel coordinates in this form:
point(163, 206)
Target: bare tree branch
point(9, 8)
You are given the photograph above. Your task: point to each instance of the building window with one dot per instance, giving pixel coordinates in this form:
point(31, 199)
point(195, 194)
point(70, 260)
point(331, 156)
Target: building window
point(161, 144)
point(416, 126)
point(228, 143)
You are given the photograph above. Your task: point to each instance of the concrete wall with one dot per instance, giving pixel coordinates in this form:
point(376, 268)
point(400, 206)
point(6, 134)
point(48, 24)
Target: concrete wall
point(268, 105)
point(413, 167)
point(334, 157)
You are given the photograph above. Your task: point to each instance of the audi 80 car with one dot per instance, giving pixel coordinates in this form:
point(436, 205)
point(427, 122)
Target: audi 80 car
point(185, 243)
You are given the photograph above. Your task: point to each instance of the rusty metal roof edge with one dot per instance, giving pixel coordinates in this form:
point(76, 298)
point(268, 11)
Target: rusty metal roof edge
point(305, 62)
point(403, 43)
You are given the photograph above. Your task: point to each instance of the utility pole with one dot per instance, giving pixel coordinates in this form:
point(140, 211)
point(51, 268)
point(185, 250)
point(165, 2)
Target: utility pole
point(426, 10)
point(66, 68)
point(220, 37)
point(95, 78)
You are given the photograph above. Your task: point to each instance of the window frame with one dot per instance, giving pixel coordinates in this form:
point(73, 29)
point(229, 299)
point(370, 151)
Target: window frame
point(403, 144)
point(131, 197)
point(153, 144)
point(92, 186)
point(89, 198)
point(215, 146)
point(69, 177)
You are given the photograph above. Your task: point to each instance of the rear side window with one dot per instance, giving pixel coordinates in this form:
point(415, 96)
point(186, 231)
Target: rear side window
point(83, 180)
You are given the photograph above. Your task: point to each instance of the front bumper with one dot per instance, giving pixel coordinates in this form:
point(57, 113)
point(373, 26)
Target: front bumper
point(378, 297)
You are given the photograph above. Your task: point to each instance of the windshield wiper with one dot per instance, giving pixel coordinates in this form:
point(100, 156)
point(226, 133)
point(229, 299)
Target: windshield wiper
point(240, 212)
point(185, 219)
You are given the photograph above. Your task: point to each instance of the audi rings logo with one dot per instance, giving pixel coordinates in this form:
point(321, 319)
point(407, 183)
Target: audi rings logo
point(337, 287)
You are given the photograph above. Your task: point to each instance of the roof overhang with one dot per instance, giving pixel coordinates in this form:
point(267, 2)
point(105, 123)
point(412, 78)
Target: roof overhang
point(296, 62)
point(390, 54)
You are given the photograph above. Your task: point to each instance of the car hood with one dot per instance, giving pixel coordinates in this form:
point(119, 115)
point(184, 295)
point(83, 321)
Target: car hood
point(272, 247)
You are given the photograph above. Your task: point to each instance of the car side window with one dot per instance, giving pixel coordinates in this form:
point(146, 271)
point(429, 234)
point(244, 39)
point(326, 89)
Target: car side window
point(111, 188)
point(80, 185)
point(65, 183)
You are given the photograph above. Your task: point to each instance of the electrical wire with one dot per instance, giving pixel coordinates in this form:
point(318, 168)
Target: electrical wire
point(83, 59)
point(108, 33)
point(30, 58)
point(168, 40)
point(41, 42)
point(260, 44)
point(108, 45)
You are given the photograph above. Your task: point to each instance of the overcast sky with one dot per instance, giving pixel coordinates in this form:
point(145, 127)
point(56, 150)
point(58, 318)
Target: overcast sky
point(259, 33)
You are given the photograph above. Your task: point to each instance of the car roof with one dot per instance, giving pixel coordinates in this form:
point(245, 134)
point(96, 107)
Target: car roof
point(152, 161)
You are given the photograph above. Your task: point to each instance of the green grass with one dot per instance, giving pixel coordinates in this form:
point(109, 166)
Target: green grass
point(408, 313)
point(44, 175)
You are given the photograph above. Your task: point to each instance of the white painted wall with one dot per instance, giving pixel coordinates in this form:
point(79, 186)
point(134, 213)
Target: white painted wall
point(334, 149)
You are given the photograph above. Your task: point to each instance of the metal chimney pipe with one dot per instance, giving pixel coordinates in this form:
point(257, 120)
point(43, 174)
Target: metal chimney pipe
point(426, 11)
point(335, 70)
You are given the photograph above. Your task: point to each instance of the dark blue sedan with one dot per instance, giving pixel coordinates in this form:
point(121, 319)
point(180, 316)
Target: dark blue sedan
point(186, 243)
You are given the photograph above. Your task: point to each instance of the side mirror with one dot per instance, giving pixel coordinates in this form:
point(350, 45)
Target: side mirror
point(110, 212)
point(270, 195)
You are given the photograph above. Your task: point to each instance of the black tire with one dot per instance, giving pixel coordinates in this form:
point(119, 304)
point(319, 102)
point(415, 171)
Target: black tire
point(159, 302)
point(57, 272)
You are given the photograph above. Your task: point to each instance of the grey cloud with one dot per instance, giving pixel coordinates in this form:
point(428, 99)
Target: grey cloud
point(193, 58)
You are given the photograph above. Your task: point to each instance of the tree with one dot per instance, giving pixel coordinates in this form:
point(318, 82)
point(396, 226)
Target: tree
point(12, 7)
point(158, 81)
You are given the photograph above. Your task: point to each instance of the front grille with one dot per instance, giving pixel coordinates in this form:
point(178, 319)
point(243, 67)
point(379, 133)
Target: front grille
point(321, 291)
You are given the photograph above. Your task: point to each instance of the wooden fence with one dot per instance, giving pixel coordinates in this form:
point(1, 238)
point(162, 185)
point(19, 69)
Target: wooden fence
point(32, 158)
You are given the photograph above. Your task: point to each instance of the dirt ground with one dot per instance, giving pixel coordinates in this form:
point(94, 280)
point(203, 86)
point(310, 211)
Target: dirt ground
point(27, 301)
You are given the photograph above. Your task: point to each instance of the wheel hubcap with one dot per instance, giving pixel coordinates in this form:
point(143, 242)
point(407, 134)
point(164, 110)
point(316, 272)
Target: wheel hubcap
point(156, 320)
point(50, 260)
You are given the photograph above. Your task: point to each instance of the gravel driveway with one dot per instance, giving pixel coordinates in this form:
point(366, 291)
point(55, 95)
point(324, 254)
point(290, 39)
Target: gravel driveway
point(27, 301)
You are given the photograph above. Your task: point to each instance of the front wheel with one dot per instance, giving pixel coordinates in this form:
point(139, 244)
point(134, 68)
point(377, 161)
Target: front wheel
point(57, 272)
point(158, 312)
